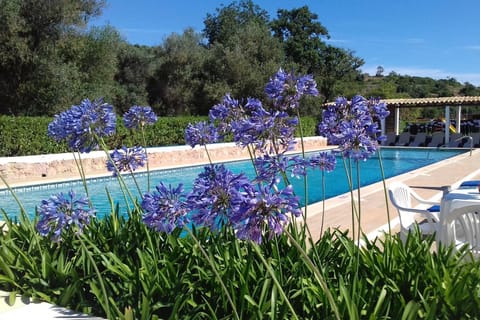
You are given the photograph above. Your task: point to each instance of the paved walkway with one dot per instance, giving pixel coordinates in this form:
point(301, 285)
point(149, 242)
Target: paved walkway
point(425, 181)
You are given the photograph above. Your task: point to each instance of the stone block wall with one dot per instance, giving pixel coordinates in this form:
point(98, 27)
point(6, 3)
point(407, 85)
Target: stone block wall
point(51, 167)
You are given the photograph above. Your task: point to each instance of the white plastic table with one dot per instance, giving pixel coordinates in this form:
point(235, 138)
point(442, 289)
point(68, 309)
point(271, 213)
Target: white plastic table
point(455, 199)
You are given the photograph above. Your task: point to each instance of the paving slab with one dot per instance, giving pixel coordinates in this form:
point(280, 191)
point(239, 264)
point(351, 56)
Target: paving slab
point(427, 182)
point(24, 308)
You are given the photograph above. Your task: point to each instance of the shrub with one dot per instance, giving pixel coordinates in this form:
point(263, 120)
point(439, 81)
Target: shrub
point(24, 136)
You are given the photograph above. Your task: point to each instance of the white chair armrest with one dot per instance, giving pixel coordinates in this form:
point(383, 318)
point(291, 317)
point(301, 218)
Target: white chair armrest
point(429, 215)
point(421, 200)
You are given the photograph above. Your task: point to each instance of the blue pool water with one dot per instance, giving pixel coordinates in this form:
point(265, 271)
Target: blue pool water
point(395, 161)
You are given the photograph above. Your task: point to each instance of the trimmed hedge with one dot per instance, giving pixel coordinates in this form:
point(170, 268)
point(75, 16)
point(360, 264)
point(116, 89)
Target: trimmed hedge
point(22, 136)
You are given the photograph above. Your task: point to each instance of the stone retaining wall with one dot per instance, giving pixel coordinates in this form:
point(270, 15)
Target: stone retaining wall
point(45, 168)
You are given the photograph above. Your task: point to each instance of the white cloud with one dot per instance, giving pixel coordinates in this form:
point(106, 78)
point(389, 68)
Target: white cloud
point(473, 78)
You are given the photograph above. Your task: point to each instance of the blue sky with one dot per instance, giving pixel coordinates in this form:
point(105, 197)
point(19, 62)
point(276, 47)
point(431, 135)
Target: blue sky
point(432, 38)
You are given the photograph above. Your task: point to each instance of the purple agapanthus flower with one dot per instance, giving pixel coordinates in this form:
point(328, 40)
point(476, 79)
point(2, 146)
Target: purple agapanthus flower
point(201, 133)
point(126, 159)
point(265, 211)
point(165, 209)
point(353, 126)
point(82, 125)
point(224, 113)
point(286, 89)
point(326, 161)
point(62, 212)
point(217, 194)
point(269, 132)
point(270, 169)
point(139, 116)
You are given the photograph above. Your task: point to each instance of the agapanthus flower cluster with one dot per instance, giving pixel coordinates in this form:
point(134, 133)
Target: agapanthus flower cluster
point(222, 115)
point(266, 211)
point(269, 128)
point(139, 116)
point(270, 132)
point(325, 161)
point(286, 89)
point(165, 209)
point(201, 133)
point(217, 194)
point(126, 159)
point(62, 212)
point(82, 125)
point(353, 126)
point(268, 168)
point(219, 197)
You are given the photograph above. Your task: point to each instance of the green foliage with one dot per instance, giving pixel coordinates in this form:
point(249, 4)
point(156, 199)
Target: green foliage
point(36, 76)
point(26, 136)
point(23, 136)
point(49, 59)
point(148, 274)
point(135, 69)
point(176, 85)
point(229, 20)
point(300, 33)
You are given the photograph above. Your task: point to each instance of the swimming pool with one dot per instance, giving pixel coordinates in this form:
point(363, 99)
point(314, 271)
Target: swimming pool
point(395, 161)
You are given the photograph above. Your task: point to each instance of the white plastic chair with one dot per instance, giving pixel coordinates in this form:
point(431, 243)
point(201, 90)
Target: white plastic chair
point(401, 197)
point(461, 227)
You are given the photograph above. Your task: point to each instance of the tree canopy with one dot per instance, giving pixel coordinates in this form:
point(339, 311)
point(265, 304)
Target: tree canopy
point(50, 58)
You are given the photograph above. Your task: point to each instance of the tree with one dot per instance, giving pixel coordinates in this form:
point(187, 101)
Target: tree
point(135, 70)
point(33, 73)
point(220, 27)
point(380, 71)
point(243, 68)
point(176, 82)
point(337, 65)
point(300, 34)
point(242, 53)
point(469, 90)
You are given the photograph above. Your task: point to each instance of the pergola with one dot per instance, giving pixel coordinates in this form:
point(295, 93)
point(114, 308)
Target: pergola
point(446, 102)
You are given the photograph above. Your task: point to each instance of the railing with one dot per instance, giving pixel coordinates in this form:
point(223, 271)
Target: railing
point(470, 138)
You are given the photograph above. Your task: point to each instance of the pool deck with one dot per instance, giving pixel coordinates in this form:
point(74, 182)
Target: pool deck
point(426, 182)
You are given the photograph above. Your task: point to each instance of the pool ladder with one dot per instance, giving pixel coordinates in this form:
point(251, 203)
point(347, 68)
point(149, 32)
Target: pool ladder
point(470, 138)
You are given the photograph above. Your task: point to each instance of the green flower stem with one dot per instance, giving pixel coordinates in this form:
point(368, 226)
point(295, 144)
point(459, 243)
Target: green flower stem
point(208, 154)
point(81, 171)
point(318, 275)
point(146, 157)
point(359, 212)
point(275, 280)
point(305, 178)
point(12, 192)
point(384, 188)
point(214, 269)
point(348, 172)
point(323, 201)
point(97, 271)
